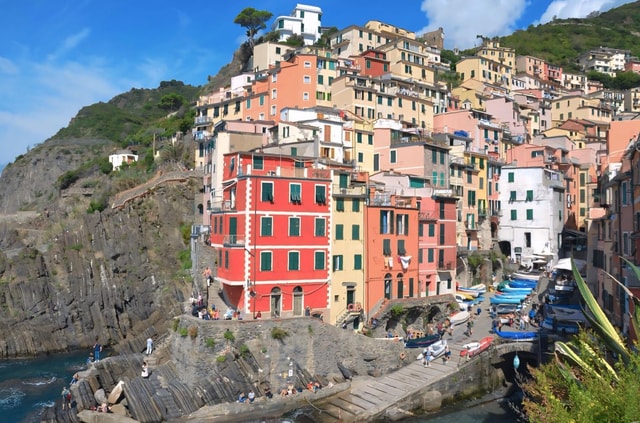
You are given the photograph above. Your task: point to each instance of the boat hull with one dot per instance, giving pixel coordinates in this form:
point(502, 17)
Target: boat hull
point(423, 342)
point(459, 318)
point(517, 336)
point(527, 276)
point(474, 348)
point(508, 300)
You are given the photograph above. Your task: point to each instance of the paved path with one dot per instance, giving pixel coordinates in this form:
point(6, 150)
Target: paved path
point(370, 396)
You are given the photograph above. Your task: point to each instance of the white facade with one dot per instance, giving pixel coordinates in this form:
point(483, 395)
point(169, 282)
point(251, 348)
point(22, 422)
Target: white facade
point(121, 157)
point(532, 200)
point(304, 20)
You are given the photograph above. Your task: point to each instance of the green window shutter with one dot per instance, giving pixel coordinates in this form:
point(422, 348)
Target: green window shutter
point(530, 195)
point(511, 177)
point(321, 196)
point(432, 229)
point(265, 260)
point(357, 262)
point(258, 162)
point(430, 255)
point(295, 193)
point(420, 229)
point(529, 214)
point(339, 232)
point(355, 205)
point(370, 139)
point(344, 180)
point(319, 261)
point(294, 260)
point(434, 156)
point(401, 249)
point(266, 226)
point(320, 227)
point(337, 263)
point(340, 204)
point(355, 232)
point(514, 215)
point(294, 226)
point(386, 247)
point(512, 196)
point(267, 191)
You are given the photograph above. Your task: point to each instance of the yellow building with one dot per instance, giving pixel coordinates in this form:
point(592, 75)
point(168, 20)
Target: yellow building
point(484, 70)
point(409, 58)
point(347, 242)
point(579, 107)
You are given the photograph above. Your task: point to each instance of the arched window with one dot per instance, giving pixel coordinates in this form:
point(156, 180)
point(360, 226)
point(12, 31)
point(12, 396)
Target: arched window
point(276, 302)
point(297, 301)
point(387, 286)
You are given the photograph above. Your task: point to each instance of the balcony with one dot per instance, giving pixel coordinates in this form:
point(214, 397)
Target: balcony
point(482, 212)
point(233, 241)
point(352, 191)
point(203, 119)
point(427, 216)
point(223, 206)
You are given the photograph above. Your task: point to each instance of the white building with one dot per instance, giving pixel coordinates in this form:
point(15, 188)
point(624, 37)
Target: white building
point(122, 156)
point(304, 20)
point(532, 200)
point(604, 60)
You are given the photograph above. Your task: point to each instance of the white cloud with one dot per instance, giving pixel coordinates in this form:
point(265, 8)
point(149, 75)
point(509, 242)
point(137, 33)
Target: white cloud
point(7, 66)
point(462, 20)
point(70, 43)
point(563, 9)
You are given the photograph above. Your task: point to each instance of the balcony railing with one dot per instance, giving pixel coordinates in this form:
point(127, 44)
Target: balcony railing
point(233, 241)
point(349, 191)
point(220, 206)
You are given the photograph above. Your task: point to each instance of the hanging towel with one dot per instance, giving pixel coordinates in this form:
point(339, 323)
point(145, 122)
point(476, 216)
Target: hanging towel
point(404, 261)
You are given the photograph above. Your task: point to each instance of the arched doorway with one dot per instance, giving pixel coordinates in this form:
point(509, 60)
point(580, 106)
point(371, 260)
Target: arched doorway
point(387, 286)
point(276, 302)
point(297, 301)
point(400, 285)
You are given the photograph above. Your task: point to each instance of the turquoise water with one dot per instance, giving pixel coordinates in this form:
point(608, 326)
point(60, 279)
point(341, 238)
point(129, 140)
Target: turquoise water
point(27, 386)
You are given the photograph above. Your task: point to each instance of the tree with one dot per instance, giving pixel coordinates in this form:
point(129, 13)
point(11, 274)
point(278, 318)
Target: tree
point(253, 20)
point(171, 102)
point(595, 377)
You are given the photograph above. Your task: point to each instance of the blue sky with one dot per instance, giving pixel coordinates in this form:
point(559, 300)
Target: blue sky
point(58, 56)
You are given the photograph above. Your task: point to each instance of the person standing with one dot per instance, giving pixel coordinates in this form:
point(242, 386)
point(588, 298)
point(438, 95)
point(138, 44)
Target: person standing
point(149, 346)
point(66, 398)
point(97, 349)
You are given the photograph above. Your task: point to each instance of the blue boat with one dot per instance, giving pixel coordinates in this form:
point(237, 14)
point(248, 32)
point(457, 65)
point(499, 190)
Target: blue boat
point(501, 299)
point(423, 342)
point(509, 288)
point(517, 336)
point(523, 284)
point(565, 327)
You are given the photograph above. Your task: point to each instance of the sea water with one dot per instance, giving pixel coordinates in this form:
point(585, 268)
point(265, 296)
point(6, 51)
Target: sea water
point(28, 386)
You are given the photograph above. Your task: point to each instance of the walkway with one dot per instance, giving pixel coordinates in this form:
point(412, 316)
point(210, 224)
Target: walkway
point(370, 396)
point(124, 197)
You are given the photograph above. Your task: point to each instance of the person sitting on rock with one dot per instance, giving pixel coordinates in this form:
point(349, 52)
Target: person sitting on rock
point(267, 392)
point(242, 397)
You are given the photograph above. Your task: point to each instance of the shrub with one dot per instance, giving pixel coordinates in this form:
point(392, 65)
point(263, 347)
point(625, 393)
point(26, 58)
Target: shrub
point(228, 335)
point(183, 332)
point(244, 350)
point(221, 358)
point(176, 322)
point(76, 247)
point(97, 205)
point(397, 310)
point(263, 350)
point(278, 333)
point(193, 331)
point(210, 342)
point(184, 257)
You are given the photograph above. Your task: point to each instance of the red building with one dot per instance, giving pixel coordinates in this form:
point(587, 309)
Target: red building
point(392, 249)
point(272, 234)
point(372, 63)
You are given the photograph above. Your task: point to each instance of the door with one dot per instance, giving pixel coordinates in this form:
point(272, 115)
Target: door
point(297, 301)
point(351, 296)
point(233, 230)
point(411, 287)
point(276, 302)
point(400, 284)
point(387, 286)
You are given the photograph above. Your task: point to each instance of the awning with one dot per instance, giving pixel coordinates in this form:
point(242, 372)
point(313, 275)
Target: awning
point(444, 276)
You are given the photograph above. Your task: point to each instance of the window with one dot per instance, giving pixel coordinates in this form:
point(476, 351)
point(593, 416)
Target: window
point(527, 239)
point(514, 214)
point(339, 231)
point(305, 96)
point(258, 162)
point(442, 209)
point(360, 157)
point(442, 157)
point(511, 177)
point(266, 226)
point(266, 261)
point(355, 205)
point(370, 139)
point(386, 221)
point(273, 110)
point(402, 224)
point(434, 156)
point(267, 191)
point(340, 204)
point(359, 137)
point(442, 233)
point(274, 94)
point(294, 226)
point(320, 226)
point(321, 195)
point(432, 229)
point(469, 177)
point(471, 198)
point(357, 261)
point(306, 79)
point(529, 214)
point(262, 99)
point(295, 193)
point(338, 262)
point(529, 195)
point(319, 260)
point(392, 156)
point(281, 23)
point(401, 250)
point(386, 247)
point(307, 64)
point(320, 79)
point(430, 255)
point(420, 229)
point(294, 260)
point(512, 196)
point(355, 232)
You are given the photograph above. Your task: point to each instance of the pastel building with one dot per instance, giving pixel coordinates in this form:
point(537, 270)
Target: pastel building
point(304, 21)
point(273, 235)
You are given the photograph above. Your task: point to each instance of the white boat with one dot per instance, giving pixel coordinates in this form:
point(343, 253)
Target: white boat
point(533, 276)
point(437, 349)
point(459, 318)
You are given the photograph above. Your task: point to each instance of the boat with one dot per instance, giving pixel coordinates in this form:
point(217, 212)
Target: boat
point(506, 308)
point(462, 297)
point(565, 314)
point(466, 292)
point(459, 318)
point(512, 294)
point(559, 326)
point(475, 290)
point(509, 288)
point(517, 336)
point(523, 284)
point(533, 276)
point(474, 348)
point(501, 299)
point(437, 349)
point(423, 342)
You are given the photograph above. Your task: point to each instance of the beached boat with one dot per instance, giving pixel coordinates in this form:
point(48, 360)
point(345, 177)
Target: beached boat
point(512, 294)
point(509, 288)
point(559, 326)
point(523, 284)
point(507, 308)
point(459, 318)
point(503, 299)
point(475, 290)
point(423, 342)
point(470, 294)
point(517, 336)
point(474, 348)
point(437, 349)
point(533, 276)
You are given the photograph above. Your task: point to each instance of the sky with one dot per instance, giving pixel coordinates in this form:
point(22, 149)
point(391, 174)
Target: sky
point(58, 56)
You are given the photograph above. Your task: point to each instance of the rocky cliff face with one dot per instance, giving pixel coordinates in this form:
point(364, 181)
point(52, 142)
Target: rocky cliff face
point(68, 277)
